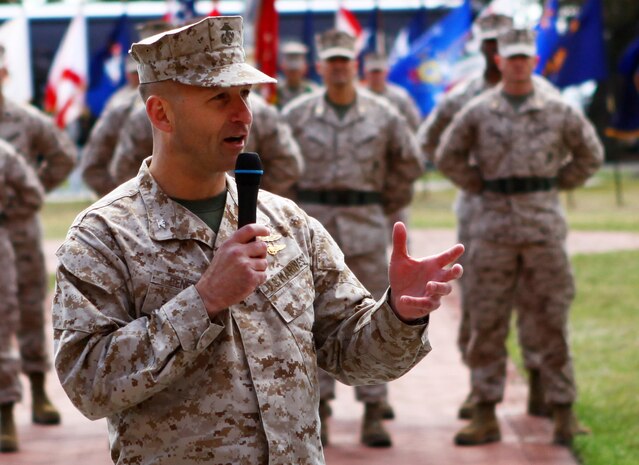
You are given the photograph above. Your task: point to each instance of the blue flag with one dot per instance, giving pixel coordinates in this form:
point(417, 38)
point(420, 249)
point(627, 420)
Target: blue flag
point(408, 35)
point(427, 69)
point(547, 35)
point(308, 37)
point(107, 67)
point(625, 121)
point(580, 54)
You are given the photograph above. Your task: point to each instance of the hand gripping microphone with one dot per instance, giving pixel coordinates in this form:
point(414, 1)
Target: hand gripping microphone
point(248, 173)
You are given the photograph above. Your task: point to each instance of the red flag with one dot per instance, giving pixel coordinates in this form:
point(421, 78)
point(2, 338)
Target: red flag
point(346, 21)
point(266, 43)
point(215, 11)
point(68, 76)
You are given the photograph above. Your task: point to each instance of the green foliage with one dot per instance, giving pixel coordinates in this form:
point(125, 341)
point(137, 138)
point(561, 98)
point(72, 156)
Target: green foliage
point(58, 216)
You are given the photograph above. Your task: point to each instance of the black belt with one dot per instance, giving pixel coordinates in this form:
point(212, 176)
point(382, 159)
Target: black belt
point(519, 185)
point(341, 198)
point(3, 217)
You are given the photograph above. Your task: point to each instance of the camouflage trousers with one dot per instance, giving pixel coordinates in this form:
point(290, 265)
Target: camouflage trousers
point(524, 300)
point(26, 237)
point(10, 389)
point(493, 271)
point(372, 270)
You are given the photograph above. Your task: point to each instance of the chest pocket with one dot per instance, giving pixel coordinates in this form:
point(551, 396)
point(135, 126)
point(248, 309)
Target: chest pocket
point(291, 290)
point(163, 287)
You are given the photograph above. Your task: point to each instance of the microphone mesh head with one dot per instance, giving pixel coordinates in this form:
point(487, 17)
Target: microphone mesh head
point(248, 161)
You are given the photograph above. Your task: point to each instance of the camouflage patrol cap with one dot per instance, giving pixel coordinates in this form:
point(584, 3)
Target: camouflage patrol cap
point(335, 43)
point(517, 42)
point(375, 62)
point(207, 53)
point(153, 27)
point(491, 25)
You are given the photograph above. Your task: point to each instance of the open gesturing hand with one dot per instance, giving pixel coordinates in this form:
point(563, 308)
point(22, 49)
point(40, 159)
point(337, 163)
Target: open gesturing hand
point(417, 285)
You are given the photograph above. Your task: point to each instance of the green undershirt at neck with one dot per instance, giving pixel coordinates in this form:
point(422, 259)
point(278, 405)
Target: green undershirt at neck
point(516, 101)
point(341, 110)
point(209, 210)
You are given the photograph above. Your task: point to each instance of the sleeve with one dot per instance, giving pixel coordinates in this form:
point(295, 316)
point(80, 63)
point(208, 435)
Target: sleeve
point(359, 341)
point(56, 152)
point(107, 359)
point(587, 152)
point(27, 193)
point(135, 143)
point(99, 150)
point(430, 132)
point(452, 156)
point(404, 165)
point(281, 156)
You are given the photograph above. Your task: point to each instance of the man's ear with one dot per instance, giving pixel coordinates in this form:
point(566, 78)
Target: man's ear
point(158, 111)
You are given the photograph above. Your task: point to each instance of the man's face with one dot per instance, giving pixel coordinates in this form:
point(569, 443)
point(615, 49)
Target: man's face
point(210, 125)
point(489, 50)
point(376, 78)
point(338, 71)
point(517, 68)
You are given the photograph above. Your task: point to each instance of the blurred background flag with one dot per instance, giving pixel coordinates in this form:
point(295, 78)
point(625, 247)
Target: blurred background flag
point(427, 69)
point(215, 11)
point(408, 35)
point(266, 44)
point(580, 54)
point(107, 67)
point(17, 59)
point(180, 11)
point(308, 37)
point(346, 21)
point(372, 37)
point(68, 76)
point(625, 120)
point(547, 35)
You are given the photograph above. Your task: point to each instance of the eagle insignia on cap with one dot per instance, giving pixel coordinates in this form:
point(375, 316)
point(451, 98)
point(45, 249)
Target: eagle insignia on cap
point(227, 35)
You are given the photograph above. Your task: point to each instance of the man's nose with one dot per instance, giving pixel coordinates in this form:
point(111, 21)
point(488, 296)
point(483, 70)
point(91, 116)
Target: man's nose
point(242, 111)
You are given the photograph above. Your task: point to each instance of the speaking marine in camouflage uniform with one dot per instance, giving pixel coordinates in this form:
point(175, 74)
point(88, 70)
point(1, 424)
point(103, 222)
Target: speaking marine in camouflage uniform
point(270, 137)
point(429, 137)
point(525, 144)
point(21, 195)
point(198, 343)
point(360, 161)
point(51, 154)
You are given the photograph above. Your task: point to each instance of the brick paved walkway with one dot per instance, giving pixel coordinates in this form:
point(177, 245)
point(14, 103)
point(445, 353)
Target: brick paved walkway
point(425, 401)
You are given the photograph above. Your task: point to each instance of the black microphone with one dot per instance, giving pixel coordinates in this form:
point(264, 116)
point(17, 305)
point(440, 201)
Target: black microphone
point(248, 173)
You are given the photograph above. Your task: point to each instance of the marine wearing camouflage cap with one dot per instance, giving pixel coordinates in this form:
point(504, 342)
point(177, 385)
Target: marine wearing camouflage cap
point(335, 43)
point(208, 53)
point(490, 26)
point(517, 42)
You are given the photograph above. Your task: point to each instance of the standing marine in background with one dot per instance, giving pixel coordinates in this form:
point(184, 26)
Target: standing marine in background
point(99, 150)
point(361, 159)
point(21, 195)
point(294, 68)
point(429, 137)
point(514, 147)
point(52, 155)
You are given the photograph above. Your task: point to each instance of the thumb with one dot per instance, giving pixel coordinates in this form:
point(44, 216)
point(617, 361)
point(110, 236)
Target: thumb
point(400, 236)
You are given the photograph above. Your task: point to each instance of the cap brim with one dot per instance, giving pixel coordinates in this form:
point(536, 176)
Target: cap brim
point(336, 52)
point(517, 49)
point(235, 74)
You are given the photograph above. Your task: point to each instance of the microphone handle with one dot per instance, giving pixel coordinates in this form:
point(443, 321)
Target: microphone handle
point(247, 199)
